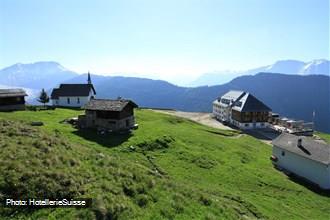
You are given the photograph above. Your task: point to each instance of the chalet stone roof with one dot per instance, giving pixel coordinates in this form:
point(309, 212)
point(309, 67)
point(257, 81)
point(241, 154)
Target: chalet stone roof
point(233, 95)
point(4, 93)
point(310, 149)
point(108, 105)
point(242, 102)
point(72, 90)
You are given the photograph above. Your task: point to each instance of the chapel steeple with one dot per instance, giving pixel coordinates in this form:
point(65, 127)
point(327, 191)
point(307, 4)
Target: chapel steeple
point(89, 81)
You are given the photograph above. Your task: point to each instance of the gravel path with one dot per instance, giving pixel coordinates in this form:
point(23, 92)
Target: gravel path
point(200, 117)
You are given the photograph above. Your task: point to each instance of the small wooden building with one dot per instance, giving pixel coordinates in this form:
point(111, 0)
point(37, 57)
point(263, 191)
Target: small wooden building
point(12, 99)
point(109, 115)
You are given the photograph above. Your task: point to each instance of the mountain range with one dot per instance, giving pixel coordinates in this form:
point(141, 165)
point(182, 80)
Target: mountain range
point(291, 95)
point(320, 66)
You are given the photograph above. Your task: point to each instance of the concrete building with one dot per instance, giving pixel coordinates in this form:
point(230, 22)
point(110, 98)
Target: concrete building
point(109, 115)
point(73, 95)
point(242, 110)
point(303, 157)
point(12, 99)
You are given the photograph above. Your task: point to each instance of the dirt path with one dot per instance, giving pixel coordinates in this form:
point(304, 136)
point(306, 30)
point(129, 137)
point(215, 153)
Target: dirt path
point(200, 117)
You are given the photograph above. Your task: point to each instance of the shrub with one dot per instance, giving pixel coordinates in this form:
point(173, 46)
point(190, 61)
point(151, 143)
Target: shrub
point(204, 162)
point(175, 120)
point(205, 200)
point(156, 144)
point(128, 189)
point(142, 200)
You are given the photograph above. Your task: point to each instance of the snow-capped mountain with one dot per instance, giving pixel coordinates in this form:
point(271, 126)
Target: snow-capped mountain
point(316, 67)
point(282, 66)
point(319, 67)
point(35, 75)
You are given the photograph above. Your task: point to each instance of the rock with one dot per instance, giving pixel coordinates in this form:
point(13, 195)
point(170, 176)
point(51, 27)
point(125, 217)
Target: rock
point(37, 123)
point(100, 155)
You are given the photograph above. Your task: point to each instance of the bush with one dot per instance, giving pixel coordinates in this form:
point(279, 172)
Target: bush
point(204, 162)
point(205, 200)
point(175, 120)
point(142, 200)
point(156, 144)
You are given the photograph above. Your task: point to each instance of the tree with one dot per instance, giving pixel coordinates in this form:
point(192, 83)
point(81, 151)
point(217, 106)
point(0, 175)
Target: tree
point(43, 97)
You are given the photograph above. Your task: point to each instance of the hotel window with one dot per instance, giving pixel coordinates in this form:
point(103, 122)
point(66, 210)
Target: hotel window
point(68, 100)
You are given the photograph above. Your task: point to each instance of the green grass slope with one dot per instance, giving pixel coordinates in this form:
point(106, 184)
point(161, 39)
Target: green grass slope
point(170, 168)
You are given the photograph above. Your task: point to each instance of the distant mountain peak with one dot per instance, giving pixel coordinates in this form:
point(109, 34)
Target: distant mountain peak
point(319, 61)
point(43, 74)
point(41, 64)
point(289, 61)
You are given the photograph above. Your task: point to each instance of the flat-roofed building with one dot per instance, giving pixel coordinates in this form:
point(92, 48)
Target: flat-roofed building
point(242, 110)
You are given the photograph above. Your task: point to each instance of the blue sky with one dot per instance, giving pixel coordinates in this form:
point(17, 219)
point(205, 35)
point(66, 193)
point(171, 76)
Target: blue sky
point(167, 39)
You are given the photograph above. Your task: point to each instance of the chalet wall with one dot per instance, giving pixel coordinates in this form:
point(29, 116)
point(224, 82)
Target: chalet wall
point(12, 107)
point(63, 100)
point(5, 101)
point(115, 125)
point(312, 170)
point(220, 112)
point(249, 125)
point(12, 103)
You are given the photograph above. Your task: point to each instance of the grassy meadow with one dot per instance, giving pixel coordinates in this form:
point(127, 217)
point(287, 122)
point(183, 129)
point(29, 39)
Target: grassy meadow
point(169, 168)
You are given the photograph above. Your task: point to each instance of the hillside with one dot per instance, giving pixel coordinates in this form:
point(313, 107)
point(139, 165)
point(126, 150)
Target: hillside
point(170, 168)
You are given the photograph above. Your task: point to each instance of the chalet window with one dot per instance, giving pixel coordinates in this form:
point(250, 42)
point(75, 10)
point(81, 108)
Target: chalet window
point(78, 100)
point(238, 104)
point(68, 100)
point(283, 153)
point(225, 101)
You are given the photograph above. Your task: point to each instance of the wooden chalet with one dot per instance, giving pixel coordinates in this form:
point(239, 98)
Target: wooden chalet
point(109, 115)
point(12, 99)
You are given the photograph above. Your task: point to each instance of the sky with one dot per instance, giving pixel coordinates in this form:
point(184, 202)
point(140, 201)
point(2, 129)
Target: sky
point(174, 40)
